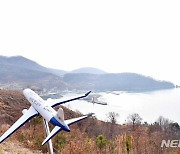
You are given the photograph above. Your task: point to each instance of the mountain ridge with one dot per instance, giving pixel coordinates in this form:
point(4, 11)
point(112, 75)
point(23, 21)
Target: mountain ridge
point(20, 72)
point(24, 62)
point(90, 70)
point(17, 70)
point(115, 82)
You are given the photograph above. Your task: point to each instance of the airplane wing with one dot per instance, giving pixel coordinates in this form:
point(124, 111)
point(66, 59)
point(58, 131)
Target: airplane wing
point(30, 113)
point(68, 122)
point(55, 102)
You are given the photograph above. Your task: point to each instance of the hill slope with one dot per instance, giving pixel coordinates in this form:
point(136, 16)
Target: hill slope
point(31, 135)
point(119, 81)
point(22, 62)
point(24, 72)
point(15, 147)
point(21, 72)
point(88, 136)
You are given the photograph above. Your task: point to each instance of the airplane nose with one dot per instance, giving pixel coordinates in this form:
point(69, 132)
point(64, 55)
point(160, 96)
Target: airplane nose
point(26, 91)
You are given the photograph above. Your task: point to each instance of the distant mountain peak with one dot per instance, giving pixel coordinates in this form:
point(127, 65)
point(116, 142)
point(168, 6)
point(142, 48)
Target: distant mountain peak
point(16, 59)
point(89, 70)
point(19, 72)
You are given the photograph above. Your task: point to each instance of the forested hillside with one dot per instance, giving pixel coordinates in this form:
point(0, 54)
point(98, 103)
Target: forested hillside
point(89, 136)
point(118, 81)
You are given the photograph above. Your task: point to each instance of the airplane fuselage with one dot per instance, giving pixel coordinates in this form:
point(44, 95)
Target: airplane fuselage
point(46, 111)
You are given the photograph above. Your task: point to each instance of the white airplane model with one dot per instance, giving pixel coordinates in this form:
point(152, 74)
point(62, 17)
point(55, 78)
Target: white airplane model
point(45, 109)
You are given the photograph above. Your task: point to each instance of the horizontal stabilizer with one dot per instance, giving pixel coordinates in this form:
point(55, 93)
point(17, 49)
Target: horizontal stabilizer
point(68, 122)
point(53, 133)
point(74, 120)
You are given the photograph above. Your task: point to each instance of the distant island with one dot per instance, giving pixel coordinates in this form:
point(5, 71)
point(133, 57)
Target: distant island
point(19, 72)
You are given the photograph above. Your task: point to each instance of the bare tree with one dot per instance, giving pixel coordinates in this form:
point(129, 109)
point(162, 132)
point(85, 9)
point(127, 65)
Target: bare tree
point(134, 119)
point(163, 123)
point(112, 118)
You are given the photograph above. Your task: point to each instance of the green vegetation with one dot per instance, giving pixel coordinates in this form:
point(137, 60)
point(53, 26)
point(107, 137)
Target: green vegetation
point(101, 141)
point(128, 143)
point(60, 141)
point(38, 142)
point(37, 120)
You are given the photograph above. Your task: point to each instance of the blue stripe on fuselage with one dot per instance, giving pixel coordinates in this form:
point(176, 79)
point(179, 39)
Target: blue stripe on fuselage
point(55, 122)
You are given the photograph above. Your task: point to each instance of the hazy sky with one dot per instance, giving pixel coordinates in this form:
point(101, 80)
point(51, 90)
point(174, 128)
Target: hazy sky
point(116, 36)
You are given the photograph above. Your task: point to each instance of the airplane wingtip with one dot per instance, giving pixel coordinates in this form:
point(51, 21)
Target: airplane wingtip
point(90, 114)
point(87, 93)
point(43, 142)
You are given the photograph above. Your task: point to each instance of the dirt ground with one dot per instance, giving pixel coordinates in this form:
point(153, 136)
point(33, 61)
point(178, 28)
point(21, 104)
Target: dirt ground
point(9, 147)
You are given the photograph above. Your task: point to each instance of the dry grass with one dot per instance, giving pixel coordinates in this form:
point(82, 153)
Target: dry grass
point(83, 136)
point(14, 147)
point(1, 152)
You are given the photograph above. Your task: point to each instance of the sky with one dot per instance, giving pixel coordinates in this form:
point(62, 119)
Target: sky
point(115, 36)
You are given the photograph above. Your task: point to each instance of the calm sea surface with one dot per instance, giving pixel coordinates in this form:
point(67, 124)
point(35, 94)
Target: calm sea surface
point(149, 105)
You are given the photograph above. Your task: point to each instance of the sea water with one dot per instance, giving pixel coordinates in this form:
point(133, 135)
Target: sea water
point(149, 105)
